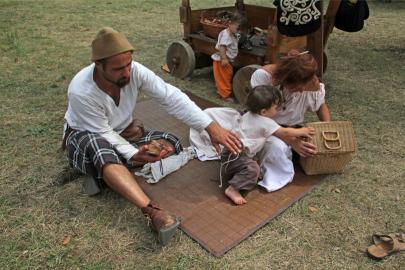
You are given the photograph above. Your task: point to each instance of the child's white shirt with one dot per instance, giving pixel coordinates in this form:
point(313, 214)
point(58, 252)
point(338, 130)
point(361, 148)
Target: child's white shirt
point(296, 104)
point(252, 128)
point(226, 38)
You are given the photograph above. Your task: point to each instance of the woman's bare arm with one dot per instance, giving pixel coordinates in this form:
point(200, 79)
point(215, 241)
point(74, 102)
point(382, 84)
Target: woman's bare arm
point(323, 113)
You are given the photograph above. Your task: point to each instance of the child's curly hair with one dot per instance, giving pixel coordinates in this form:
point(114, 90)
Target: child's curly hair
point(263, 97)
point(295, 68)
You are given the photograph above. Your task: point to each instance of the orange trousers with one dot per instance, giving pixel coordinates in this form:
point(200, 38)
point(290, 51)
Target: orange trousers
point(223, 78)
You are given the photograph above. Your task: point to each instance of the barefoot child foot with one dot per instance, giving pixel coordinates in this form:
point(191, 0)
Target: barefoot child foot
point(234, 195)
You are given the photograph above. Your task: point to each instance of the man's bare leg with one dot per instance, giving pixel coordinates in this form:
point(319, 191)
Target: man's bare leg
point(119, 178)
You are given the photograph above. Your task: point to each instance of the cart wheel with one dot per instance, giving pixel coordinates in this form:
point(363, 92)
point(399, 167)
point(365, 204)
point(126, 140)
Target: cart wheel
point(180, 59)
point(241, 82)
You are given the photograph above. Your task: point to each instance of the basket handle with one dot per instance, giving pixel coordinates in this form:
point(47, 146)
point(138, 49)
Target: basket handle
point(331, 139)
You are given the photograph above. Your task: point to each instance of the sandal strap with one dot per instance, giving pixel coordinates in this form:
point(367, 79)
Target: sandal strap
point(399, 236)
point(379, 237)
point(399, 241)
point(394, 239)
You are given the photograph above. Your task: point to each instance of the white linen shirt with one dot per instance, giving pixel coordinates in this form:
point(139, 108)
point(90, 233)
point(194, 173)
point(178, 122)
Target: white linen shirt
point(252, 128)
point(226, 38)
point(296, 104)
point(91, 109)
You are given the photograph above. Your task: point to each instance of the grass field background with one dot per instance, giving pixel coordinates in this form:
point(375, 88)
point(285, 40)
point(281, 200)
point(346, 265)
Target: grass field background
point(44, 43)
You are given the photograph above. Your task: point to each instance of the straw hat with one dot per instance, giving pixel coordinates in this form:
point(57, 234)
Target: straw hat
point(109, 42)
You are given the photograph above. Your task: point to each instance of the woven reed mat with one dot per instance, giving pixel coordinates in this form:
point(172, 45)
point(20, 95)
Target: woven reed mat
point(193, 193)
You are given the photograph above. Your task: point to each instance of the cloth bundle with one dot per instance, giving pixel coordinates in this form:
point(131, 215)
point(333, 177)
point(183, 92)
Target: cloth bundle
point(154, 172)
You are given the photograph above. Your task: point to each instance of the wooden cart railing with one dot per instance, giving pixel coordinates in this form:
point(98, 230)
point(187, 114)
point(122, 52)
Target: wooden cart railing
point(195, 49)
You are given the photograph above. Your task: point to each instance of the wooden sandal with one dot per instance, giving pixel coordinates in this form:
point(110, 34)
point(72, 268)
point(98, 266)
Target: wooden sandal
point(386, 244)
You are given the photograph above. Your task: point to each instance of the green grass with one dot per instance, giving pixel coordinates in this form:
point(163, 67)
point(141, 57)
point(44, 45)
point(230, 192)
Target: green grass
point(44, 43)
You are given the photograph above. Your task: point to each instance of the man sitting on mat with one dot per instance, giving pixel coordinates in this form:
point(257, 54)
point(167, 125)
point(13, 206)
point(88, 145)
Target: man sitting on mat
point(98, 121)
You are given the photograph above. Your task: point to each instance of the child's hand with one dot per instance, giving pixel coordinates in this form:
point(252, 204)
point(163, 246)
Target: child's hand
point(307, 132)
point(224, 62)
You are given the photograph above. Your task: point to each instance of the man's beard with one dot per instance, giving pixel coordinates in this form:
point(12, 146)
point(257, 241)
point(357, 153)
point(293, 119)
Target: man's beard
point(122, 82)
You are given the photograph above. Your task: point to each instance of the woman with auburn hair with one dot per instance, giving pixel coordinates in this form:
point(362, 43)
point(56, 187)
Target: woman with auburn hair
point(295, 75)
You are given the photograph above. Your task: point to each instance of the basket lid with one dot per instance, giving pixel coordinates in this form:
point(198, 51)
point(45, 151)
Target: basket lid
point(333, 137)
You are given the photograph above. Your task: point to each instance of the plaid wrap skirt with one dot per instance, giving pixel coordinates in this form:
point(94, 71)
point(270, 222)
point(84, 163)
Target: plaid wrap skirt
point(88, 152)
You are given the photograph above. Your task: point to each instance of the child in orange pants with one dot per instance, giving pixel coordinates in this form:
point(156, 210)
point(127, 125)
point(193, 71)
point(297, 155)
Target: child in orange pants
point(227, 47)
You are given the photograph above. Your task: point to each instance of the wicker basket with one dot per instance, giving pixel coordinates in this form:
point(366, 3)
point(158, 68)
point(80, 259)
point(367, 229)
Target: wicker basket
point(210, 28)
point(335, 142)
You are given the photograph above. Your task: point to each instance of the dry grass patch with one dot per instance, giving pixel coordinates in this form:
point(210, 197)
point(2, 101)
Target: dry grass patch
point(44, 43)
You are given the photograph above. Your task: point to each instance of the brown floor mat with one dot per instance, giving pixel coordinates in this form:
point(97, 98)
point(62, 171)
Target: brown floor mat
point(193, 193)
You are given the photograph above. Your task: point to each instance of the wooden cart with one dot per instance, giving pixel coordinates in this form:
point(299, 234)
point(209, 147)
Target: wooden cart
point(195, 49)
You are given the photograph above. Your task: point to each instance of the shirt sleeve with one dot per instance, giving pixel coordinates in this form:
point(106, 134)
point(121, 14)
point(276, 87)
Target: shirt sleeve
point(92, 116)
point(316, 98)
point(224, 39)
point(270, 127)
point(171, 99)
point(260, 77)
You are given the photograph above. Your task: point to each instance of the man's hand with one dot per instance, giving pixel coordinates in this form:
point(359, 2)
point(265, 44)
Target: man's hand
point(133, 131)
point(142, 156)
point(222, 136)
point(303, 148)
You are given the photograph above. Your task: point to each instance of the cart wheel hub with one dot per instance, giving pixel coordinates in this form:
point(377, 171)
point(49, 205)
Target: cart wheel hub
point(180, 59)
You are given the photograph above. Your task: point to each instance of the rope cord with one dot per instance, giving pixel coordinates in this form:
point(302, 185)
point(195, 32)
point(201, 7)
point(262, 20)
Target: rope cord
point(226, 167)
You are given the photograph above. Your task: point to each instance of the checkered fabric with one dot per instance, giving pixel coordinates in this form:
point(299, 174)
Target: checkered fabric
point(88, 152)
point(156, 135)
